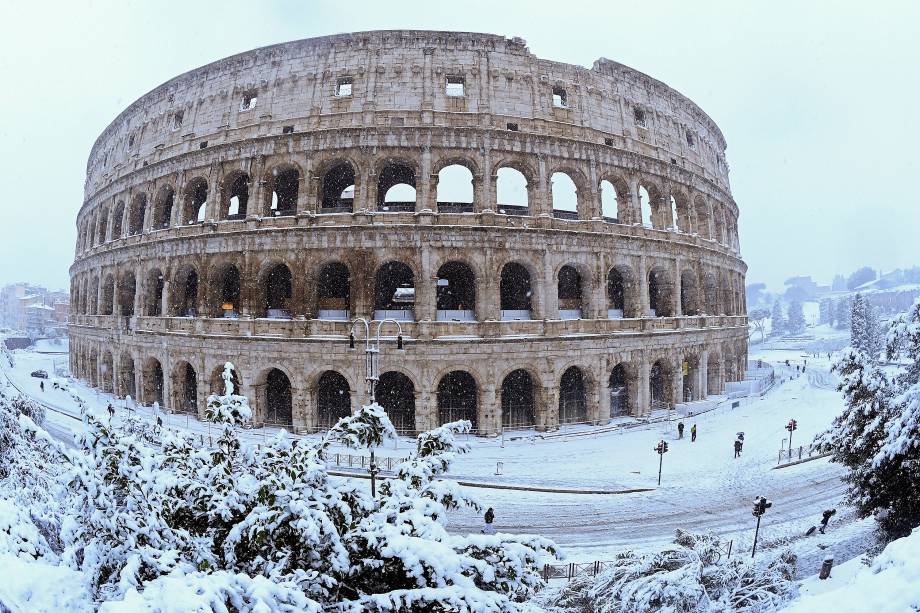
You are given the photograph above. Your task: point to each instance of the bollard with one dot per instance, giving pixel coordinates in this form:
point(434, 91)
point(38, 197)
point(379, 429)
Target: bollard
point(826, 568)
point(498, 467)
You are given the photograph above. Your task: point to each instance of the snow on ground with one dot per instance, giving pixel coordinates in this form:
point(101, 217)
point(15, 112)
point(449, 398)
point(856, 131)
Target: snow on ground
point(34, 586)
point(703, 486)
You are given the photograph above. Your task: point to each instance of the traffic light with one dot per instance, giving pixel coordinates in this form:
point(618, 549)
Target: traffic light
point(662, 447)
point(792, 425)
point(761, 505)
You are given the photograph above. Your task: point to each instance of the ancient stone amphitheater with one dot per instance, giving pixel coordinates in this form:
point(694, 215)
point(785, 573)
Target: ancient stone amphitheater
point(558, 244)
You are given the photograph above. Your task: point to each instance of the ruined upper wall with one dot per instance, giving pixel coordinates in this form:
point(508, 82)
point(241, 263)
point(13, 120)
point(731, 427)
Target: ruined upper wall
point(403, 71)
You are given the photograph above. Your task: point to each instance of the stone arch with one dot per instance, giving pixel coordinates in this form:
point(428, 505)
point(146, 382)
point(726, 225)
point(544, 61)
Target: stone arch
point(234, 195)
point(458, 398)
point(184, 291)
point(103, 225)
point(185, 388)
point(127, 291)
point(126, 377)
point(333, 291)
point(395, 177)
point(661, 384)
point(456, 292)
point(163, 207)
point(333, 398)
point(226, 289)
point(107, 372)
point(107, 299)
point(573, 396)
point(572, 294)
point(660, 292)
point(339, 181)
point(118, 217)
point(217, 381)
point(703, 217)
point(276, 396)
point(689, 292)
point(690, 368)
point(154, 284)
point(615, 199)
point(513, 188)
point(564, 195)
point(394, 291)
point(282, 186)
point(711, 293)
point(718, 218)
point(395, 392)
point(138, 214)
point(518, 399)
point(714, 372)
point(622, 292)
point(195, 201)
point(455, 191)
point(683, 212)
point(623, 388)
point(276, 291)
point(516, 291)
point(153, 383)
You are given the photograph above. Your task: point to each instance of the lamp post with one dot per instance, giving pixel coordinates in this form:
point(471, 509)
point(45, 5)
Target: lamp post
point(372, 371)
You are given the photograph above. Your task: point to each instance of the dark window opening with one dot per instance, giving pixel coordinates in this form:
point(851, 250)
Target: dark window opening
point(512, 126)
point(203, 144)
point(394, 295)
point(619, 392)
point(396, 188)
point(237, 197)
point(138, 211)
point(608, 142)
point(518, 408)
point(287, 130)
point(189, 397)
point(278, 398)
point(573, 399)
point(155, 296)
point(333, 399)
point(334, 291)
point(187, 303)
point(457, 398)
point(285, 185)
point(569, 293)
point(229, 298)
point(515, 292)
point(177, 119)
point(339, 188)
point(249, 100)
point(196, 200)
point(278, 292)
point(396, 394)
point(639, 117)
point(616, 299)
point(690, 141)
point(126, 291)
point(658, 386)
point(456, 292)
point(560, 101)
point(164, 208)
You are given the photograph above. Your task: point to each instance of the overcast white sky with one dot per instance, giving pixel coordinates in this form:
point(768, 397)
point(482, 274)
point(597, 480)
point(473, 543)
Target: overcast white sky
point(818, 102)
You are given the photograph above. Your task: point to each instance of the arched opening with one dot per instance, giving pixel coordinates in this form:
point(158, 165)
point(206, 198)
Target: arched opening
point(186, 388)
point(186, 293)
point(711, 289)
point(283, 184)
point(228, 292)
point(455, 189)
point(394, 295)
point(456, 292)
point(163, 207)
point(118, 216)
point(126, 381)
point(127, 287)
point(689, 293)
point(278, 398)
point(396, 188)
point(511, 196)
point(703, 218)
point(395, 392)
point(457, 398)
point(153, 383)
point(565, 196)
point(138, 210)
point(515, 292)
point(645, 206)
point(714, 374)
point(153, 303)
point(690, 368)
point(683, 217)
point(333, 399)
point(334, 292)
point(107, 373)
point(338, 189)
point(217, 381)
point(93, 367)
point(92, 307)
point(659, 293)
point(718, 225)
point(659, 383)
point(196, 201)
point(573, 397)
point(278, 290)
point(619, 391)
point(570, 293)
point(616, 295)
point(236, 196)
point(518, 408)
point(610, 203)
point(103, 226)
point(107, 303)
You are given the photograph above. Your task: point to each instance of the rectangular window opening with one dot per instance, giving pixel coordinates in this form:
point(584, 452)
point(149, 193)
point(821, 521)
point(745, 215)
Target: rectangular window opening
point(608, 142)
point(639, 117)
point(690, 141)
point(559, 99)
point(287, 130)
point(513, 127)
point(249, 101)
point(131, 140)
point(203, 144)
point(343, 87)
point(455, 86)
point(177, 119)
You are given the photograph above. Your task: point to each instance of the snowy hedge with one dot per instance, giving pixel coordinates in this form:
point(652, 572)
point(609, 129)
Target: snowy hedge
point(690, 577)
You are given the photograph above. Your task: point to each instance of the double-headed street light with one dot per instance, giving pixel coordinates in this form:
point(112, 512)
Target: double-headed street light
point(372, 370)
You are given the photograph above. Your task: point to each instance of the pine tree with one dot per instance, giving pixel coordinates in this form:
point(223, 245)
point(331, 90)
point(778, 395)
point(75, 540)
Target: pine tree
point(858, 324)
point(825, 311)
point(777, 324)
point(796, 321)
point(842, 314)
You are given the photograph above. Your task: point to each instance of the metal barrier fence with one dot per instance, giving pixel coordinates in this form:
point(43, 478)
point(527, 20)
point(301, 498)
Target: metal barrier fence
point(803, 452)
point(573, 570)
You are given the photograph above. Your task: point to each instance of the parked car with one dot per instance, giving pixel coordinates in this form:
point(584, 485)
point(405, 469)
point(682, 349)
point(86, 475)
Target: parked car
point(41, 374)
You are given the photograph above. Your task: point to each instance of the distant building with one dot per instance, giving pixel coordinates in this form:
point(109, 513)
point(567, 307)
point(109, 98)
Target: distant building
point(27, 307)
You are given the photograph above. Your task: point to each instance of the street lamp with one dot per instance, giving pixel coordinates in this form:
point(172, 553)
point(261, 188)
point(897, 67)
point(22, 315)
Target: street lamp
point(661, 448)
point(372, 370)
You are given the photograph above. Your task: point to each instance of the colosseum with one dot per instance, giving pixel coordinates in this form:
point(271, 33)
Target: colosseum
point(556, 244)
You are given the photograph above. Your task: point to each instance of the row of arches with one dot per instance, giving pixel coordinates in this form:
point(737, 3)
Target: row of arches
point(397, 184)
point(337, 290)
point(522, 396)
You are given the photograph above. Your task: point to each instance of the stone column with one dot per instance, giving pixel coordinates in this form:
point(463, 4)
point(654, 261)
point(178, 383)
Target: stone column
point(677, 391)
point(425, 293)
point(643, 395)
point(678, 305)
point(258, 194)
point(704, 374)
point(542, 201)
point(550, 293)
point(212, 207)
point(489, 411)
point(547, 411)
point(643, 287)
point(425, 197)
point(484, 182)
point(603, 395)
point(426, 410)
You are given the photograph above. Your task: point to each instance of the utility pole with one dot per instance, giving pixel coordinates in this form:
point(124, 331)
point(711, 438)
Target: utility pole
point(661, 448)
point(761, 505)
point(372, 373)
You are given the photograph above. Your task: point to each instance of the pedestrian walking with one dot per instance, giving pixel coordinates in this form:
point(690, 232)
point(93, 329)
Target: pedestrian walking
point(680, 429)
point(489, 517)
point(111, 411)
point(826, 517)
point(41, 384)
point(693, 433)
point(737, 448)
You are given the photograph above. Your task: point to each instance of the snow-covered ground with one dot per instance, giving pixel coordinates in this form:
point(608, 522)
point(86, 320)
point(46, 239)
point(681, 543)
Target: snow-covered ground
point(703, 487)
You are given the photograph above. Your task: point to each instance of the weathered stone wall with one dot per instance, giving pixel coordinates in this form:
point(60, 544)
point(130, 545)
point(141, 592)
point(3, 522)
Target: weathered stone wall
point(140, 237)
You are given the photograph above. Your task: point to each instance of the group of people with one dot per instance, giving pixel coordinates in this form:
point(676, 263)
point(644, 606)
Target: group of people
point(680, 431)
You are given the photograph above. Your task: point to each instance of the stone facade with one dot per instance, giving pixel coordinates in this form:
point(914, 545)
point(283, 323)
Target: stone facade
point(241, 212)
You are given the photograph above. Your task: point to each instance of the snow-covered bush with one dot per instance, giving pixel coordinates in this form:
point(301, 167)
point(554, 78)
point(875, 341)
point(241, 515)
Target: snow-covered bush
point(691, 577)
point(242, 526)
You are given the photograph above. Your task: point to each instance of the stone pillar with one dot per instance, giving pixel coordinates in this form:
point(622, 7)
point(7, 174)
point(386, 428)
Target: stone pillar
point(425, 288)
point(547, 412)
point(603, 395)
point(213, 205)
point(368, 197)
point(678, 306)
point(550, 293)
point(643, 288)
point(489, 411)
point(704, 374)
point(425, 197)
point(542, 202)
point(677, 389)
point(643, 395)
point(306, 189)
point(599, 297)
point(426, 410)
point(258, 193)
point(484, 183)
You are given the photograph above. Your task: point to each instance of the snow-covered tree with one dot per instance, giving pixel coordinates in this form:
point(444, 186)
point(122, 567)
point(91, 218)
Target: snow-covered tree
point(842, 314)
point(263, 527)
point(865, 330)
point(795, 323)
point(689, 577)
point(825, 311)
point(758, 319)
point(777, 321)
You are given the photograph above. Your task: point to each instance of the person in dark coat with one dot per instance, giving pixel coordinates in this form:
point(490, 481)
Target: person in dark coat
point(826, 517)
point(488, 528)
point(41, 384)
point(680, 429)
point(737, 448)
point(111, 411)
point(693, 433)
